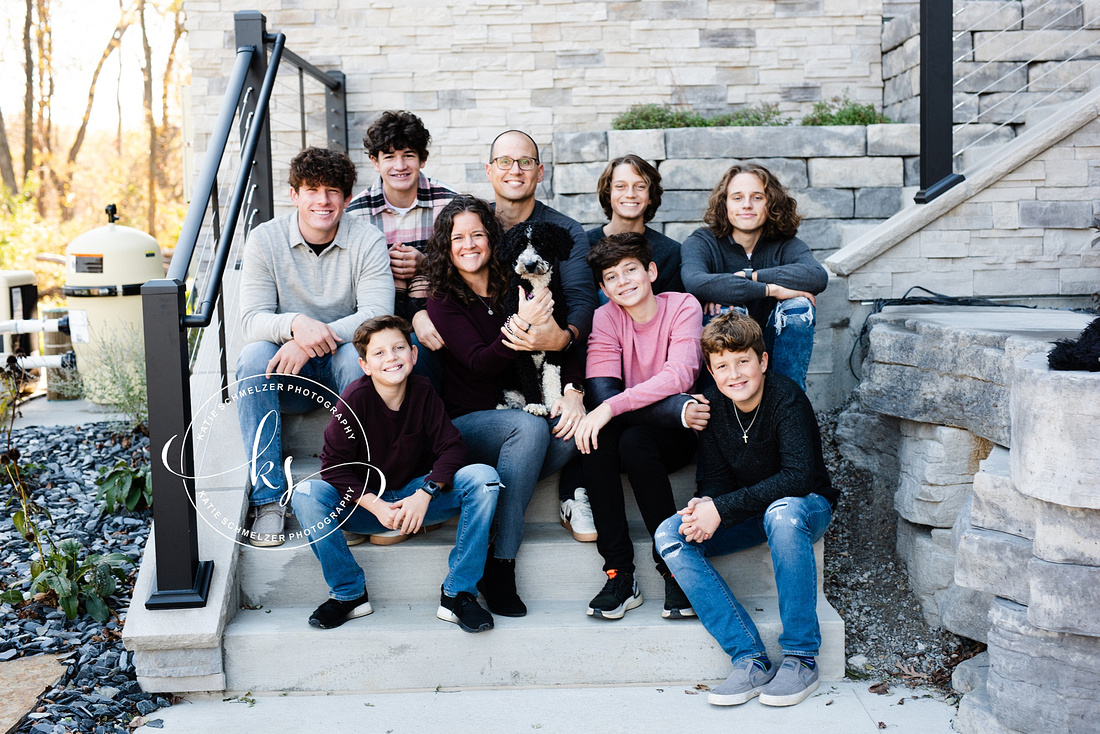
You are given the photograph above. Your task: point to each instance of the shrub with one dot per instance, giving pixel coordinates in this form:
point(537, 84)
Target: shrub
point(657, 117)
point(115, 374)
point(843, 111)
point(63, 578)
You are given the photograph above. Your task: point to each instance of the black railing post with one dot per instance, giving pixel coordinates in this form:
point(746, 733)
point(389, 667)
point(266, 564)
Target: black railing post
point(251, 30)
point(182, 581)
point(936, 101)
point(336, 113)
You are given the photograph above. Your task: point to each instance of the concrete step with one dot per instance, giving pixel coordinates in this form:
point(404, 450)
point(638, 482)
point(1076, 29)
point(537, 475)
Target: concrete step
point(551, 565)
point(404, 646)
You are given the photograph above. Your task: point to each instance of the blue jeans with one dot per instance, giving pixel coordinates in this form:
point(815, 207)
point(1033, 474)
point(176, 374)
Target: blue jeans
point(523, 450)
point(324, 512)
point(788, 338)
point(790, 526)
point(282, 394)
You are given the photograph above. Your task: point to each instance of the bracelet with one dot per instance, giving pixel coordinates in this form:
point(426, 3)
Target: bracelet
point(767, 290)
point(572, 341)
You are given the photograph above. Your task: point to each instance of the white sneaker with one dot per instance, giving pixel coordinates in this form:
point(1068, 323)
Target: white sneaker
point(576, 515)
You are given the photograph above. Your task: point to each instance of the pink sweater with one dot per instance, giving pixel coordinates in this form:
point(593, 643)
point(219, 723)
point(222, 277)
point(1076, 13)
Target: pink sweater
point(654, 360)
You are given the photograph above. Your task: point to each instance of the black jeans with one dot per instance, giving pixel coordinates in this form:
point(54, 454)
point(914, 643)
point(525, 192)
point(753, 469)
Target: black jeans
point(648, 454)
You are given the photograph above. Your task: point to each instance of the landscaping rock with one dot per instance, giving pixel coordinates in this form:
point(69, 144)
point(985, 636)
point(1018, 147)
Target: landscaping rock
point(995, 563)
point(998, 505)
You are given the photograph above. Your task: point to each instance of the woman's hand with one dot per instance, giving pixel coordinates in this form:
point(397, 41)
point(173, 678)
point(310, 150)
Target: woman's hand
point(426, 332)
point(535, 311)
point(571, 409)
point(589, 429)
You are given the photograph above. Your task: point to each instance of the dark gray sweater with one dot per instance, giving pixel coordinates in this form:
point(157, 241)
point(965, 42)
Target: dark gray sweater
point(782, 458)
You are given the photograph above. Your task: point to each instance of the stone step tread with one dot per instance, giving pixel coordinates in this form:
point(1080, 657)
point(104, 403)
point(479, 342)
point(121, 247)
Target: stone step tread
point(551, 565)
point(404, 646)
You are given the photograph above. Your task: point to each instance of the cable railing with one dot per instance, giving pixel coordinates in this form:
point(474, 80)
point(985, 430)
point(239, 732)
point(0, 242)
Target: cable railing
point(177, 318)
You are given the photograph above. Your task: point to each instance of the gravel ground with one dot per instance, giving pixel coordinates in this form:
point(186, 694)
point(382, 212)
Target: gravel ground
point(886, 637)
point(98, 693)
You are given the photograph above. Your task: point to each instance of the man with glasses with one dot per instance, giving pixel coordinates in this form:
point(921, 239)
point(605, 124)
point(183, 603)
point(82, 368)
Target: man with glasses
point(514, 170)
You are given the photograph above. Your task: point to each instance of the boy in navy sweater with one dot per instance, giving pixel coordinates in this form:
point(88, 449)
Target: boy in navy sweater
point(393, 461)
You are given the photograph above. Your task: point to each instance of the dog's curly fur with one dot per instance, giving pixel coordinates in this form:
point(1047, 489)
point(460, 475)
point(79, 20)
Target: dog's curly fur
point(1082, 353)
point(534, 251)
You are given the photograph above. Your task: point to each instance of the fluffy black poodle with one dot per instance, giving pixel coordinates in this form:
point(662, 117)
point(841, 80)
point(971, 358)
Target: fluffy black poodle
point(534, 250)
point(1082, 353)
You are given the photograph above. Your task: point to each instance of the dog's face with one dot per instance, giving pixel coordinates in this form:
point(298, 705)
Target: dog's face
point(534, 248)
point(530, 263)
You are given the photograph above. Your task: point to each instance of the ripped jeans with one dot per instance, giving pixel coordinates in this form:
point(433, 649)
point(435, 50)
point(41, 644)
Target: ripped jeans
point(790, 526)
point(788, 336)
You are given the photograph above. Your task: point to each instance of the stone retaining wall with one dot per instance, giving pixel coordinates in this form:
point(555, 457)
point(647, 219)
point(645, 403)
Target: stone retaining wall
point(1019, 567)
point(1001, 47)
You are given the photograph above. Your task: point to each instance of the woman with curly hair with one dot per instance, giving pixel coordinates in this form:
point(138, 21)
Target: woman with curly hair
point(467, 285)
point(748, 257)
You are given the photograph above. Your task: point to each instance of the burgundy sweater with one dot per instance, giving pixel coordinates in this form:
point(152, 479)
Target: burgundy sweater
point(403, 444)
point(475, 355)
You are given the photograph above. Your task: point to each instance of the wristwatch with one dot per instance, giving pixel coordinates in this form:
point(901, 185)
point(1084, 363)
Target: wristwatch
point(747, 272)
point(431, 488)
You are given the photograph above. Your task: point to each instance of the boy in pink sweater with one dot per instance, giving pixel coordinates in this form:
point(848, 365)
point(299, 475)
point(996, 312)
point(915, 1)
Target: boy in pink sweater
point(643, 359)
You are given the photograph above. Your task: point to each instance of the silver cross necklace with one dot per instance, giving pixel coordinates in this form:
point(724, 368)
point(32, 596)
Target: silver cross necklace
point(745, 431)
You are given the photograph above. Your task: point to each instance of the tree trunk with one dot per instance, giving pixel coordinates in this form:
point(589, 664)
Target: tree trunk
point(150, 122)
point(7, 168)
point(28, 96)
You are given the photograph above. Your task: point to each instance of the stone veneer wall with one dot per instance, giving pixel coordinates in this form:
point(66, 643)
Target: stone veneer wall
point(1024, 41)
point(1009, 555)
point(474, 69)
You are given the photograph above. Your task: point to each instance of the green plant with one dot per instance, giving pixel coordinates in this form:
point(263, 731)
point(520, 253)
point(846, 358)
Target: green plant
point(61, 575)
point(843, 111)
point(115, 373)
point(124, 485)
point(656, 116)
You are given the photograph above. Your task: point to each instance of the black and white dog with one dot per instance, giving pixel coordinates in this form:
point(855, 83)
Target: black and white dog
point(534, 250)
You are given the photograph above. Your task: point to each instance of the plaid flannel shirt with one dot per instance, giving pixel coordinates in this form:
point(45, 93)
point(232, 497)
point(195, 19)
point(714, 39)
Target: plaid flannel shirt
point(416, 227)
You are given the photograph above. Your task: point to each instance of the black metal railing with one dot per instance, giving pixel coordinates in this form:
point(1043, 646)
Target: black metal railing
point(936, 102)
point(182, 580)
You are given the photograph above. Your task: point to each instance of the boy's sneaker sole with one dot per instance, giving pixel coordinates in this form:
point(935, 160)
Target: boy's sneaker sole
point(790, 700)
point(448, 616)
point(360, 611)
point(683, 613)
point(580, 537)
point(618, 612)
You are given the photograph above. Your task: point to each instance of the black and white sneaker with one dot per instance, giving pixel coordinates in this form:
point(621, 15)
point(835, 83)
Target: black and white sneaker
point(677, 605)
point(334, 612)
point(464, 611)
point(619, 595)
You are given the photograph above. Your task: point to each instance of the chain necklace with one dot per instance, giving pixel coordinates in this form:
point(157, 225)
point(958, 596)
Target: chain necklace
point(745, 431)
point(486, 304)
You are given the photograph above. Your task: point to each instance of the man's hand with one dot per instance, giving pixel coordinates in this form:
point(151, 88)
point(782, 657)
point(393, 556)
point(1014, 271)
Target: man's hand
point(780, 293)
point(315, 337)
point(699, 519)
point(571, 408)
point(405, 261)
point(426, 331)
point(697, 415)
point(384, 511)
point(289, 360)
point(411, 512)
point(589, 429)
point(713, 309)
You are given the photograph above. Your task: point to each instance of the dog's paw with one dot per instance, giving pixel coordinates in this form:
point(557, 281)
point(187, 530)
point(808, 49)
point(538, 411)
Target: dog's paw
point(513, 399)
point(536, 409)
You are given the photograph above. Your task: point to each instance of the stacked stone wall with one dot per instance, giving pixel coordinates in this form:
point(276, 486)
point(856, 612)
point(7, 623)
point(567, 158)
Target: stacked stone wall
point(1007, 61)
point(471, 70)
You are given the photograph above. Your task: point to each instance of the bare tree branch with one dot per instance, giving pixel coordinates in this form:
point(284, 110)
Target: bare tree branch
point(7, 168)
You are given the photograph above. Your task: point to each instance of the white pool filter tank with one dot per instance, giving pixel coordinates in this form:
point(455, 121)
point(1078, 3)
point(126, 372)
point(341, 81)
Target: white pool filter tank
point(104, 271)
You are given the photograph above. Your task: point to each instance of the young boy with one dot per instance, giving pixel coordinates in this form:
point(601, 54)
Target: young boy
point(643, 357)
point(408, 448)
point(763, 480)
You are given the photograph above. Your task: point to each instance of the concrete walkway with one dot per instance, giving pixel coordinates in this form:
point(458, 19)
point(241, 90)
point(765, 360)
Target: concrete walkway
point(843, 707)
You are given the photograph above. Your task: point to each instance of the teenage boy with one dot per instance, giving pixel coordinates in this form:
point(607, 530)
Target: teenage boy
point(401, 441)
point(763, 480)
point(749, 257)
point(643, 358)
point(629, 190)
point(403, 202)
point(307, 280)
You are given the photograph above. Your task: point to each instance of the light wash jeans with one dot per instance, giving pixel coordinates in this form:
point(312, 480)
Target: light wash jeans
point(320, 508)
point(265, 448)
point(790, 526)
point(523, 450)
point(788, 337)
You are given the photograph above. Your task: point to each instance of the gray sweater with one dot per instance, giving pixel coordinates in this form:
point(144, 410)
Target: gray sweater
point(348, 283)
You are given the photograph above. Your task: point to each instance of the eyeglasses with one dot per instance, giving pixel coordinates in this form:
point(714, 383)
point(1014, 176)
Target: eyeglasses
point(504, 163)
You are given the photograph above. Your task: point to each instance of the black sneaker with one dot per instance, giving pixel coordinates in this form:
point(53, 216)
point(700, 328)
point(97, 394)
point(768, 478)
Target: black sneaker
point(464, 611)
point(498, 586)
point(334, 612)
point(619, 595)
point(677, 605)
